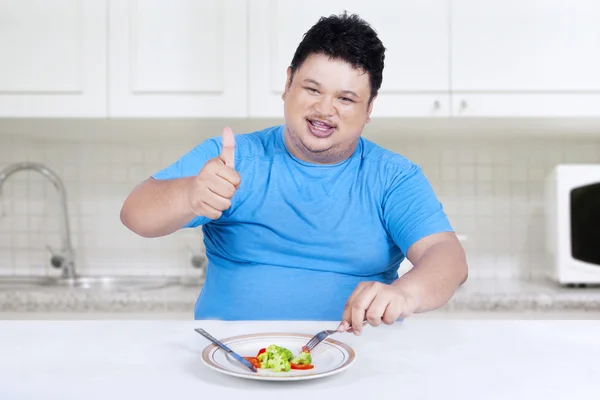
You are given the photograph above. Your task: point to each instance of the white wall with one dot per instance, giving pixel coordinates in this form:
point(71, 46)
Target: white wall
point(491, 188)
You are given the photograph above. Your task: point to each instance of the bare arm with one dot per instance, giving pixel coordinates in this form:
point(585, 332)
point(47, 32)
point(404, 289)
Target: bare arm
point(439, 268)
point(158, 207)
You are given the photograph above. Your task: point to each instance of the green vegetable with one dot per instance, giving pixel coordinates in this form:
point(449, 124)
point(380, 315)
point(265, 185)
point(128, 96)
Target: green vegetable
point(279, 363)
point(302, 358)
point(276, 358)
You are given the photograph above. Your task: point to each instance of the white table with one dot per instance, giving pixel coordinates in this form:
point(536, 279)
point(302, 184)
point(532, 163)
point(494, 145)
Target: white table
point(417, 359)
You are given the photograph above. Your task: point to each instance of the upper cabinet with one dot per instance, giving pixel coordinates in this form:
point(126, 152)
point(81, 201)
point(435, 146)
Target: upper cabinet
point(414, 32)
point(228, 58)
point(53, 58)
point(525, 58)
point(178, 58)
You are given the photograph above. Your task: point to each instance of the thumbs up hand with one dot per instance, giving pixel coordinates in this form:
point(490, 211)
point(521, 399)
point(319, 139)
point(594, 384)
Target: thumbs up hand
point(228, 149)
point(211, 191)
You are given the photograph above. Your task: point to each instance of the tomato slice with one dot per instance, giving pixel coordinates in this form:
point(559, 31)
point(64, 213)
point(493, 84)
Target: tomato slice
point(254, 361)
point(301, 366)
point(260, 352)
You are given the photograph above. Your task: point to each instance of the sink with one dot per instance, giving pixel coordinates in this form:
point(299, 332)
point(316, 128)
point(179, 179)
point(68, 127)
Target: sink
point(97, 283)
point(24, 282)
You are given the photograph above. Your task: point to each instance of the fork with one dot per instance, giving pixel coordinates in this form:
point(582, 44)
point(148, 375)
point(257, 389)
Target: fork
point(319, 337)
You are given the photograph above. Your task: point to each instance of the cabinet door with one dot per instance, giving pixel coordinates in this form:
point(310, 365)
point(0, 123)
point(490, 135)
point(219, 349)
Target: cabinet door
point(526, 57)
point(414, 32)
point(53, 59)
point(178, 58)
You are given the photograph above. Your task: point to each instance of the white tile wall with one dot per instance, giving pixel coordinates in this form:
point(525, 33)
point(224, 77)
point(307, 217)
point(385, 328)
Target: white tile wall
point(491, 188)
point(98, 176)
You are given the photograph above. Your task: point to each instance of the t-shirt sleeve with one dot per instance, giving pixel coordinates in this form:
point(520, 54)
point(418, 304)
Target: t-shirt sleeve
point(189, 165)
point(411, 209)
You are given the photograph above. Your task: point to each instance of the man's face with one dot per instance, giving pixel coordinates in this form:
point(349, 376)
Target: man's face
point(326, 107)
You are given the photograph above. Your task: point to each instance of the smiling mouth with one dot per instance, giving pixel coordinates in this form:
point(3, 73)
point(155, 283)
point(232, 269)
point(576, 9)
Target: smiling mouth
point(319, 128)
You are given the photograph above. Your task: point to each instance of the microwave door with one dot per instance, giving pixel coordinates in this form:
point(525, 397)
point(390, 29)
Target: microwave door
point(585, 223)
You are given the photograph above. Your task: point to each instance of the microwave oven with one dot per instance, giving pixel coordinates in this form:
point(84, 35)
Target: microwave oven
point(572, 214)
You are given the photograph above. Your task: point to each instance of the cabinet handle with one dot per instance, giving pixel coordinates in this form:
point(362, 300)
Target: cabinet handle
point(436, 105)
point(463, 104)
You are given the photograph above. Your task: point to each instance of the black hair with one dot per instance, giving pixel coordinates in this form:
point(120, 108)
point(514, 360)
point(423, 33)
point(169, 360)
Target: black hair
point(348, 38)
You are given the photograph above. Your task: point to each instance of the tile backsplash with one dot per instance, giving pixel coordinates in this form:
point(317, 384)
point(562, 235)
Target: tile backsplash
point(491, 188)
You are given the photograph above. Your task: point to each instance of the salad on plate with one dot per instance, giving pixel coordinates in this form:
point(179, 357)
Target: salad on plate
point(281, 359)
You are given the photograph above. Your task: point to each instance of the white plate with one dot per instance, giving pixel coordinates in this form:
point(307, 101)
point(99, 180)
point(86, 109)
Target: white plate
point(329, 357)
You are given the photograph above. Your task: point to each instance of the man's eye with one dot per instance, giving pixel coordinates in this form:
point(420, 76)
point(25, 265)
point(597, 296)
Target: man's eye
point(345, 99)
point(312, 90)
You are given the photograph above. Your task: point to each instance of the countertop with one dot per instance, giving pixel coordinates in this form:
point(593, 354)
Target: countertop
point(417, 359)
point(476, 295)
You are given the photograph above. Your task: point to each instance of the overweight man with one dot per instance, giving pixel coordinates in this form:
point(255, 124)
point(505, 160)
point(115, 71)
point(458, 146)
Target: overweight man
point(308, 220)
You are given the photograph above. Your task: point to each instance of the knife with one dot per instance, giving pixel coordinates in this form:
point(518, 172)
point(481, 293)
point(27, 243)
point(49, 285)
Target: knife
point(239, 358)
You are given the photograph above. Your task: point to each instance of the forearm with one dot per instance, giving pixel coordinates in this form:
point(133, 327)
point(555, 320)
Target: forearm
point(158, 207)
point(435, 277)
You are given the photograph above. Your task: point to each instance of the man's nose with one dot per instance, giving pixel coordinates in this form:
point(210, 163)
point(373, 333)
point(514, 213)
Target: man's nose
point(325, 106)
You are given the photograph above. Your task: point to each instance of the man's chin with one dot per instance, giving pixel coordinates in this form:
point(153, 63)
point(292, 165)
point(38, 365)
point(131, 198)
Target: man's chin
point(316, 149)
point(315, 144)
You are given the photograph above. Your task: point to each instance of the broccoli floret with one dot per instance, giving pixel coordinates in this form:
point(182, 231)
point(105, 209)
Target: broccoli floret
point(279, 363)
point(274, 350)
point(276, 357)
point(302, 358)
point(288, 355)
point(263, 357)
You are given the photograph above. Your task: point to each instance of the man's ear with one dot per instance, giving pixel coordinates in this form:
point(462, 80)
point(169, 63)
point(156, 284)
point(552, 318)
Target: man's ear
point(288, 82)
point(370, 108)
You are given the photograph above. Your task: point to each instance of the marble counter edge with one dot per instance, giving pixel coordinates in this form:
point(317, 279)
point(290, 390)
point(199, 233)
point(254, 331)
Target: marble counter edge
point(485, 297)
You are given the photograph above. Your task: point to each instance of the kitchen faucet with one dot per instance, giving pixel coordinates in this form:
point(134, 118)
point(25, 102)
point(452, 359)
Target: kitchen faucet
point(65, 260)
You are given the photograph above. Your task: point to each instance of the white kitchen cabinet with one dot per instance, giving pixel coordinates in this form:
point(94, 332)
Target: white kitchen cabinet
point(525, 58)
point(178, 58)
point(227, 59)
point(53, 58)
point(415, 33)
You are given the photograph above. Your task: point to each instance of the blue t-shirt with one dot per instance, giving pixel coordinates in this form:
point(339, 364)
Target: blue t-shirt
point(299, 237)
